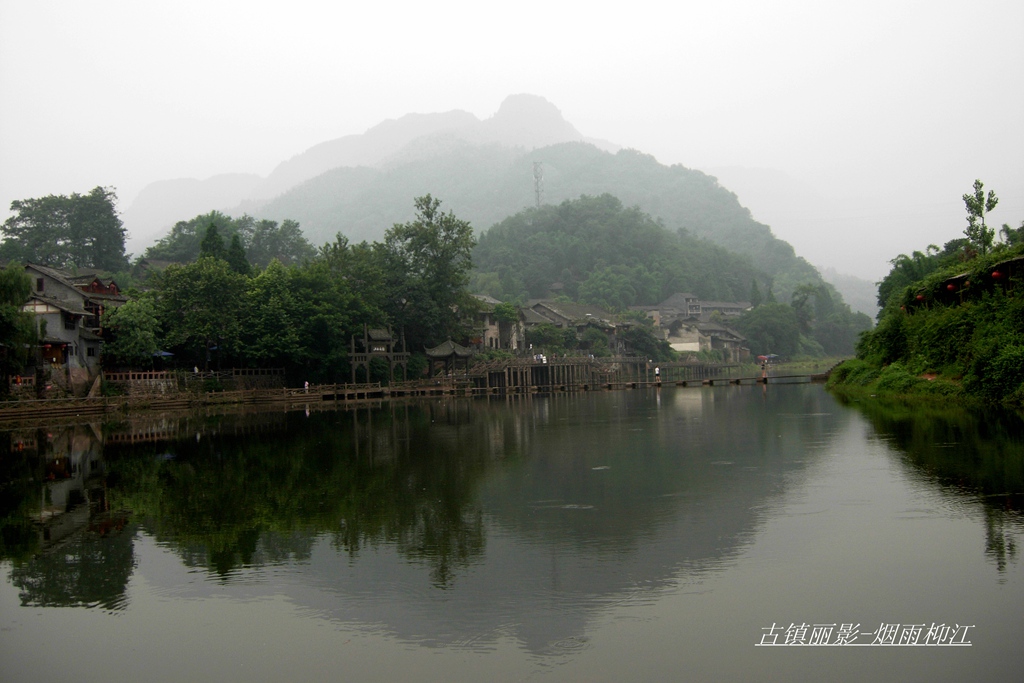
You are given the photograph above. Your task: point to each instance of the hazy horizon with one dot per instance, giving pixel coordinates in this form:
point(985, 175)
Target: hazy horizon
point(852, 131)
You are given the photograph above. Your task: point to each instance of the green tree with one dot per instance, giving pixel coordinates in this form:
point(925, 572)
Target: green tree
point(134, 327)
point(427, 269)
point(235, 256)
point(606, 254)
point(330, 304)
point(263, 240)
point(61, 231)
point(271, 329)
point(17, 328)
point(212, 244)
point(182, 243)
point(755, 294)
point(595, 341)
point(1012, 236)
point(285, 242)
point(609, 289)
point(907, 270)
point(801, 304)
point(978, 204)
point(548, 337)
point(771, 328)
point(640, 341)
point(202, 306)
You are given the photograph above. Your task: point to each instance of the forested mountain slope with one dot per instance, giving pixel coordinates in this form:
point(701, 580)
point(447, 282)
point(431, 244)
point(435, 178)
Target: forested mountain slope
point(605, 254)
point(485, 184)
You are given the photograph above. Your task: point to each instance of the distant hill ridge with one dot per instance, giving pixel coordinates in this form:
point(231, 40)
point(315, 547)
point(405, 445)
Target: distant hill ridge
point(522, 121)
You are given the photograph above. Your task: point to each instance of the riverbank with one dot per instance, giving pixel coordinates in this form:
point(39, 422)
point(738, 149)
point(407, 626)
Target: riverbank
point(562, 376)
point(956, 334)
point(857, 380)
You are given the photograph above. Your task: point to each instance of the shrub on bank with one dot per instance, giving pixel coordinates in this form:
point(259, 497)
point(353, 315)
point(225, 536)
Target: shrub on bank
point(854, 372)
point(895, 379)
point(998, 374)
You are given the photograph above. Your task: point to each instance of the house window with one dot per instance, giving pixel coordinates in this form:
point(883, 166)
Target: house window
point(90, 351)
point(40, 282)
point(70, 323)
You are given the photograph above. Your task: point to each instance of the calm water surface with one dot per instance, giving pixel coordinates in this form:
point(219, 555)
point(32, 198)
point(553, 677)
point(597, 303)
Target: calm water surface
point(640, 535)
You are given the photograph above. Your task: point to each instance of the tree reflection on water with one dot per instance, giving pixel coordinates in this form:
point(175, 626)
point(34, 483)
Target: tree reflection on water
point(598, 474)
point(227, 499)
point(972, 453)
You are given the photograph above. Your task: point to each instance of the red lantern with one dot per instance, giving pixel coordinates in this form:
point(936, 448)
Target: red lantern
point(951, 287)
point(996, 275)
point(920, 297)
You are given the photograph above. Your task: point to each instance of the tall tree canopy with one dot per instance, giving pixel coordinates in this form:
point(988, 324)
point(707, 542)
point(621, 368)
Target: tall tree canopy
point(17, 328)
point(262, 240)
point(202, 307)
point(134, 328)
point(61, 231)
point(978, 205)
point(427, 269)
point(605, 254)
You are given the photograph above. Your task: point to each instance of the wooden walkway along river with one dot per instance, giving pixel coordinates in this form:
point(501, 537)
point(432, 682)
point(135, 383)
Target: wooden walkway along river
point(518, 376)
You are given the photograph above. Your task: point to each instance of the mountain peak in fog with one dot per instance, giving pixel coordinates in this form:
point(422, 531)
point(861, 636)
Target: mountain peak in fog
point(522, 121)
point(529, 121)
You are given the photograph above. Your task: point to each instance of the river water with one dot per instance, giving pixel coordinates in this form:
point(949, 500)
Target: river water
point(726, 533)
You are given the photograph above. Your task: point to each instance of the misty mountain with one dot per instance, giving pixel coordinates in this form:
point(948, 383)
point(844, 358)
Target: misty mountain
point(162, 204)
point(862, 295)
point(484, 171)
point(522, 122)
point(484, 184)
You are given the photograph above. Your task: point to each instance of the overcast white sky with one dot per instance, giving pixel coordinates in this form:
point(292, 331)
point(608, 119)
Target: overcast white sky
point(886, 111)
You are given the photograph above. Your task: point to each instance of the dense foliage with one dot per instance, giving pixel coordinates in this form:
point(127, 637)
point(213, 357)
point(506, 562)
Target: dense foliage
point(248, 292)
point(952, 322)
point(426, 263)
point(262, 240)
point(226, 501)
point(973, 338)
point(64, 232)
point(906, 270)
point(133, 330)
point(215, 311)
point(17, 328)
point(486, 184)
point(600, 253)
point(604, 254)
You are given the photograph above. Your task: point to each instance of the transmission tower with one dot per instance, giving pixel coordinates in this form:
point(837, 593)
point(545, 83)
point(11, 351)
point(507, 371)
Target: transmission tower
point(538, 180)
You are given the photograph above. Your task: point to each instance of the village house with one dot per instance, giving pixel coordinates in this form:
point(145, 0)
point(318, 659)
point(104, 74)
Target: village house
point(579, 317)
point(68, 310)
point(682, 305)
point(497, 334)
point(728, 341)
point(684, 336)
point(691, 325)
point(727, 309)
